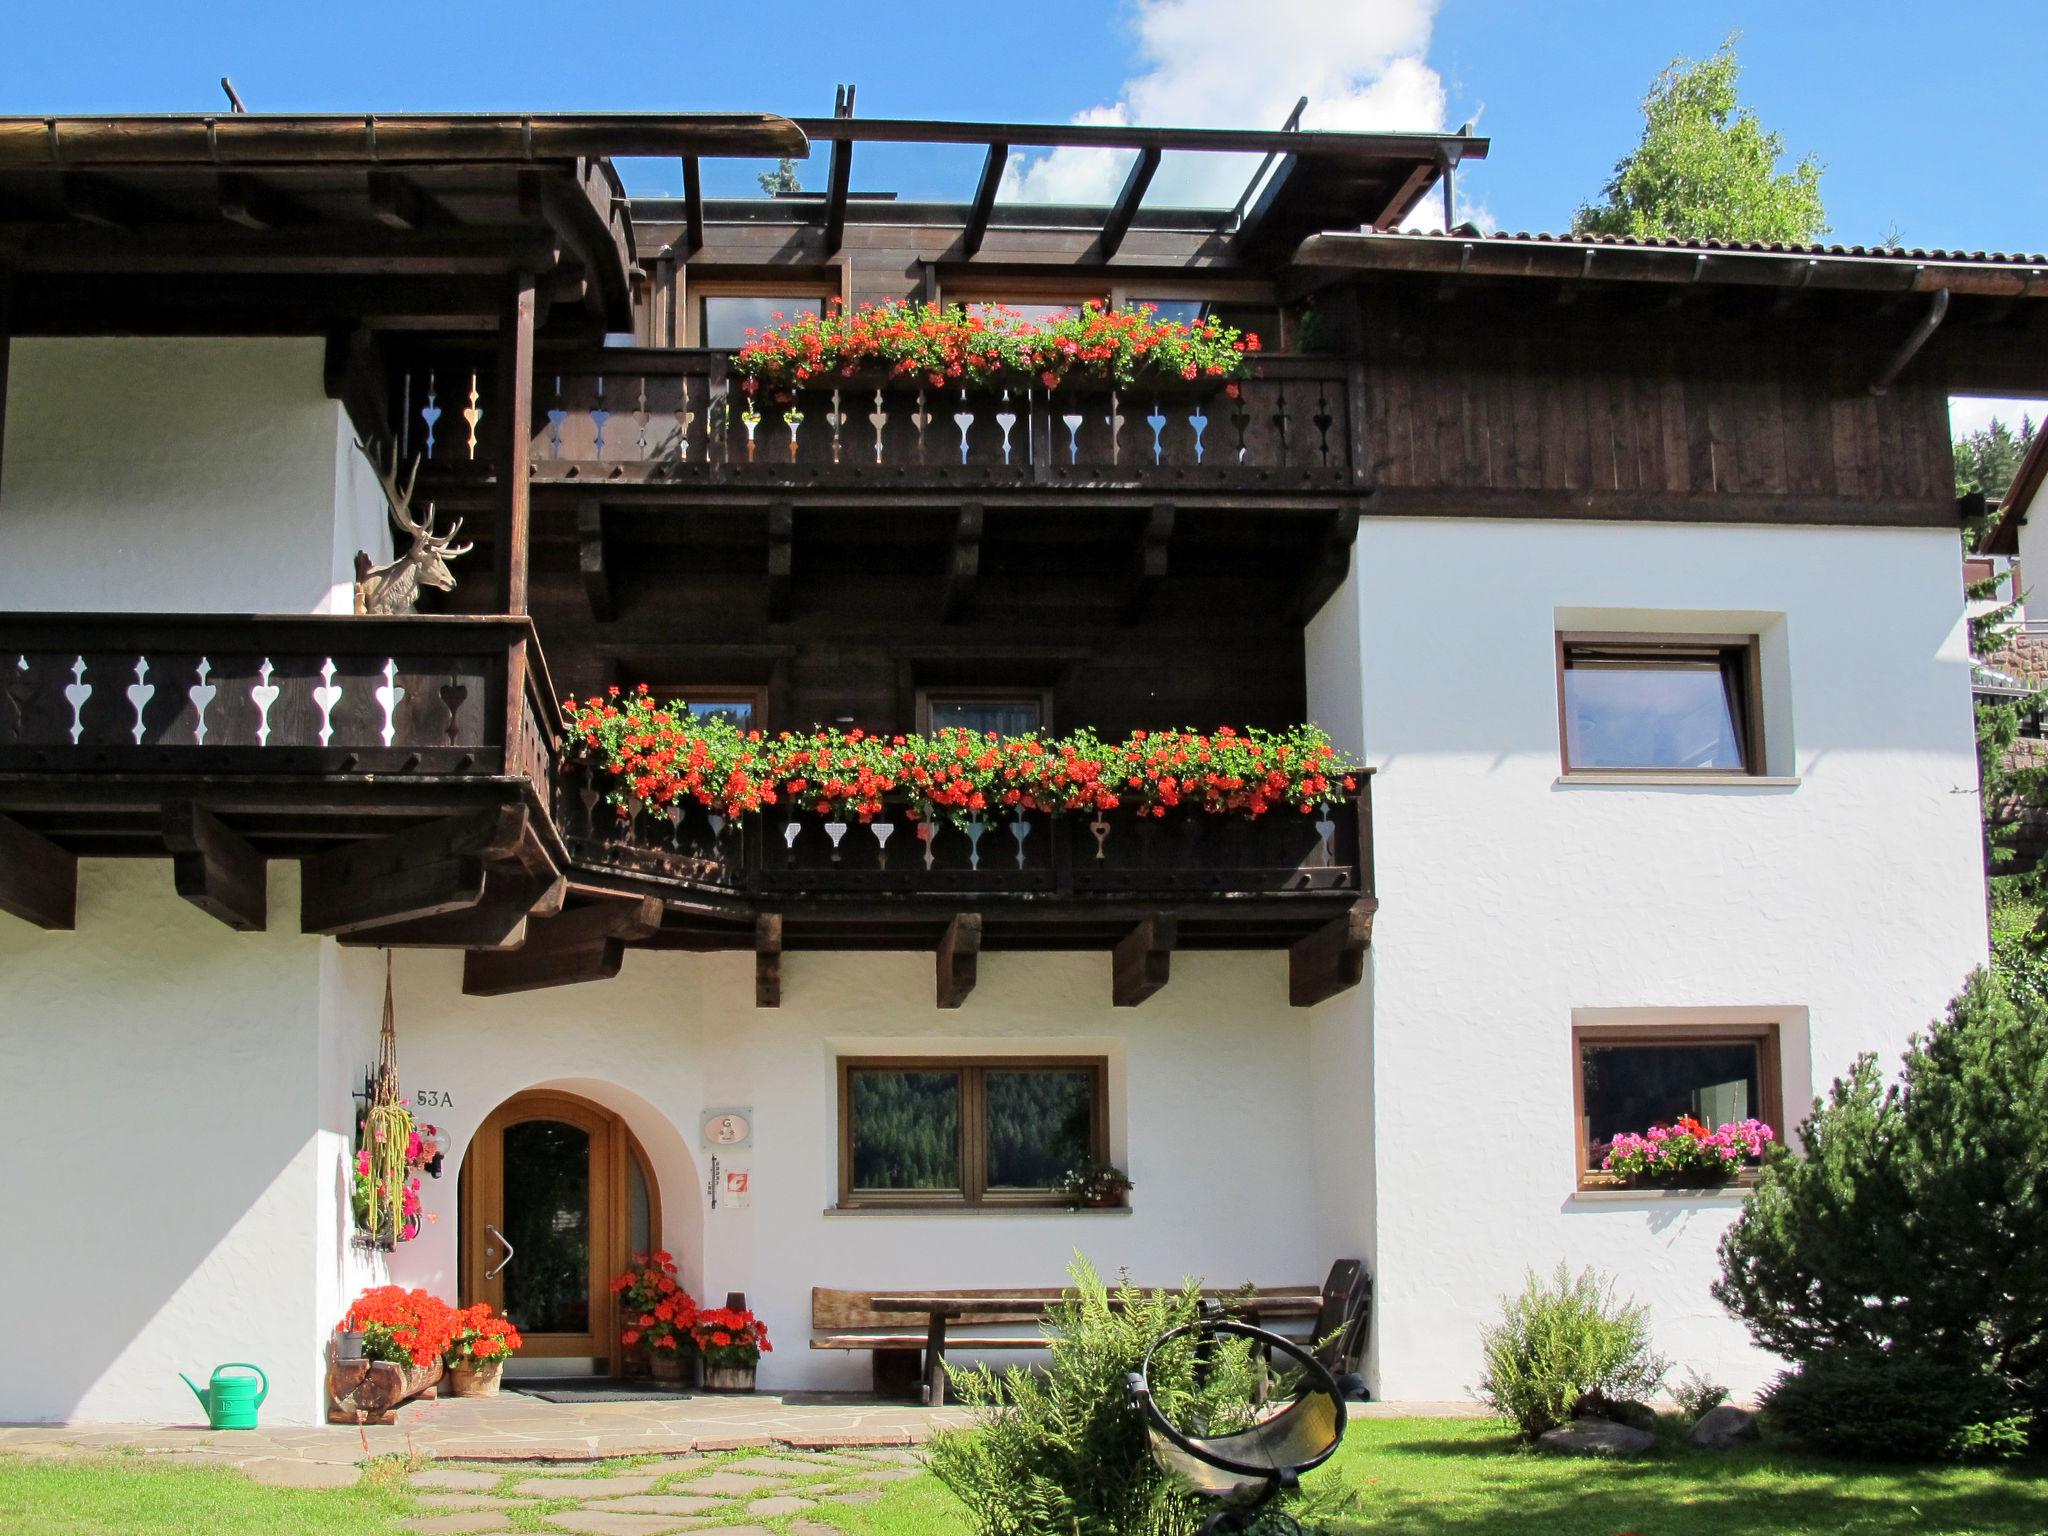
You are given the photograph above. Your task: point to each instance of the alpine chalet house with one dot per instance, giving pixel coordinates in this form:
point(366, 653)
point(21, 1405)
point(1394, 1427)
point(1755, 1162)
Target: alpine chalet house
point(1622, 578)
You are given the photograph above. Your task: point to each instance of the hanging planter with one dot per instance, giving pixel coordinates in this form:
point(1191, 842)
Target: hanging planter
point(392, 1149)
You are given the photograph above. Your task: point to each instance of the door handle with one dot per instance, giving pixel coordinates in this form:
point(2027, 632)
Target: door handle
point(496, 1269)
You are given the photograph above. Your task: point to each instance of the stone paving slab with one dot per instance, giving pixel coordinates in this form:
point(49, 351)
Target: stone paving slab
point(290, 1472)
point(781, 1504)
point(595, 1522)
point(453, 1477)
point(660, 1504)
point(586, 1487)
point(455, 1525)
point(729, 1482)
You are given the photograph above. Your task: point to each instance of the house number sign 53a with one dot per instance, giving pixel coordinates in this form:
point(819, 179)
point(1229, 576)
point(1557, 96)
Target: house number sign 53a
point(432, 1098)
point(729, 1128)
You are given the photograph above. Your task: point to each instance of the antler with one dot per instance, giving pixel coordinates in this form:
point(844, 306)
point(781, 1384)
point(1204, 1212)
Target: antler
point(445, 542)
point(397, 499)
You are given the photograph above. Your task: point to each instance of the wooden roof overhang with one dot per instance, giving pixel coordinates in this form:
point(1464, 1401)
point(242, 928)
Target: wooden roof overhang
point(318, 223)
point(1970, 316)
point(1307, 180)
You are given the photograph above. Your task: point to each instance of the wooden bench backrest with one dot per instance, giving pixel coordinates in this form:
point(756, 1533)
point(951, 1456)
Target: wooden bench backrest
point(836, 1311)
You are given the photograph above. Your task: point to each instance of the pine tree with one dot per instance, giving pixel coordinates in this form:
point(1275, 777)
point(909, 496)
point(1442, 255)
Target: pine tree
point(781, 179)
point(1987, 459)
point(1916, 1224)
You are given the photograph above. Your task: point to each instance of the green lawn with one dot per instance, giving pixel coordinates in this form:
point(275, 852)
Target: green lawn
point(1421, 1477)
point(128, 1496)
point(1463, 1477)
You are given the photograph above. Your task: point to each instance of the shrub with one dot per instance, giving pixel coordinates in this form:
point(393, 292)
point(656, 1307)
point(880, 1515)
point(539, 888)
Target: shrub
point(1914, 1226)
point(1560, 1341)
point(1697, 1397)
point(1062, 1453)
point(1897, 1407)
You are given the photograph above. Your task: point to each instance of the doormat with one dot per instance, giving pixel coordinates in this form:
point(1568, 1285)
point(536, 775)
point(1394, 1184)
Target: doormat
point(598, 1389)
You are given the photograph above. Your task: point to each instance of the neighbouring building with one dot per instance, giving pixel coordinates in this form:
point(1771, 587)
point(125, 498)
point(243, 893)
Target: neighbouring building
point(1628, 569)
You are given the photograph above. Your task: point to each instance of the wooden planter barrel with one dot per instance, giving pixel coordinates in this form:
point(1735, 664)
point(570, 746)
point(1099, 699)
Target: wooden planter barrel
point(370, 1391)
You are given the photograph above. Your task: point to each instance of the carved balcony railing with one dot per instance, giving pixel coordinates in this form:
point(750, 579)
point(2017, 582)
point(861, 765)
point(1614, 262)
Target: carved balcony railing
point(212, 694)
point(656, 416)
point(1120, 852)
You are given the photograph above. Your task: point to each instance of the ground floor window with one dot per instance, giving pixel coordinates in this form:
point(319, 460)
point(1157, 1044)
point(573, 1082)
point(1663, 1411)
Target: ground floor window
point(954, 1131)
point(1630, 1079)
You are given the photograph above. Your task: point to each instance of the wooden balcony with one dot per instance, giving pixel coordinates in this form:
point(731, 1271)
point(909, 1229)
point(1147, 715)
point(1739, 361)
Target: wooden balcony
point(620, 418)
point(412, 765)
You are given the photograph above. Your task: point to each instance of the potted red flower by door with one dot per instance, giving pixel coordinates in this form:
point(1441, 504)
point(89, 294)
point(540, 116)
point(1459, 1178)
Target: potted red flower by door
point(476, 1357)
point(731, 1343)
point(655, 1314)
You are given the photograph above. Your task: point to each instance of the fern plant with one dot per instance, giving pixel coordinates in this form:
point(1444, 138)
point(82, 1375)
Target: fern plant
point(1062, 1453)
point(1560, 1341)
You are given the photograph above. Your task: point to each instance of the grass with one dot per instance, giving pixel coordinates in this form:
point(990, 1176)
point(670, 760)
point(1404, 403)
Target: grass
point(1420, 1477)
point(1463, 1477)
point(129, 1496)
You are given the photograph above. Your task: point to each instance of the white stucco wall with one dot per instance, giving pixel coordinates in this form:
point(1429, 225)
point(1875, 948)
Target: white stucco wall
point(180, 475)
point(1849, 904)
point(1208, 1085)
point(175, 1141)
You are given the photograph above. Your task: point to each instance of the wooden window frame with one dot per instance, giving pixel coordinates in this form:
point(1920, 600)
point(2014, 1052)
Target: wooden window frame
point(819, 285)
point(1769, 1074)
point(974, 1193)
point(723, 693)
point(943, 694)
point(1741, 660)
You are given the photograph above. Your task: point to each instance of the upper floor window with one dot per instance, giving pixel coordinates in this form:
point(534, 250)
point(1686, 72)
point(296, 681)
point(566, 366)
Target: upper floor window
point(1659, 704)
point(1249, 316)
point(1005, 711)
point(725, 318)
point(744, 708)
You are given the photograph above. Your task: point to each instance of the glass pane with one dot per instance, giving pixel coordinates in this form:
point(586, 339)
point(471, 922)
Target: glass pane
point(906, 1129)
point(1644, 712)
point(639, 1217)
point(728, 318)
point(1033, 313)
point(1006, 717)
point(1040, 1124)
point(1634, 1087)
point(735, 712)
point(1260, 320)
point(547, 1222)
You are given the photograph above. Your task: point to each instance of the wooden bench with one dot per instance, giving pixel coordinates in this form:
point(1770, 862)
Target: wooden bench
point(910, 1332)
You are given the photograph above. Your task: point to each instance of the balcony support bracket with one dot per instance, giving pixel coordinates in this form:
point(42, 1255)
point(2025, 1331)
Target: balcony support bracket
point(1144, 960)
point(781, 559)
point(768, 960)
point(959, 950)
point(1332, 959)
point(594, 562)
point(38, 880)
point(1150, 577)
point(214, 869)
point(1329, 567)
point(584, 944)
point(422, 872)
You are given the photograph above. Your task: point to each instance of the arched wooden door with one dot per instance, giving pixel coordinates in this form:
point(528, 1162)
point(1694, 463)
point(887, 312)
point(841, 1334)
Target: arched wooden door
point(555, 1198)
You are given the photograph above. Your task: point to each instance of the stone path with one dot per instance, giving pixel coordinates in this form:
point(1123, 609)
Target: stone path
point(742, 1493)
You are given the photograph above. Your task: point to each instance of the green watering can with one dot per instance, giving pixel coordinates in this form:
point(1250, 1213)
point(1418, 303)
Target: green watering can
point(231, 1401)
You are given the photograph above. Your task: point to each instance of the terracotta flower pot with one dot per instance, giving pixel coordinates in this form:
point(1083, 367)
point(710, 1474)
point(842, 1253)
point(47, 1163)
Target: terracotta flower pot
point(478, 1379)
point(728, 1378)
point(665, 1364)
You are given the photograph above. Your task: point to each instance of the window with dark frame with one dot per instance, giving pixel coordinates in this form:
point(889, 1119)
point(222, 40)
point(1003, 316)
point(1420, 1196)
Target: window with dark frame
point(1628, 1080)
point(725, 318)
point(967, 1131)
point(1005, 711)
point(1665, 704)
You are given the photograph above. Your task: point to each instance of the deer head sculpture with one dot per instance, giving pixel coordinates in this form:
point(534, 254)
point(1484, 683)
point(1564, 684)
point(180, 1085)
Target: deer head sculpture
point(395, 588)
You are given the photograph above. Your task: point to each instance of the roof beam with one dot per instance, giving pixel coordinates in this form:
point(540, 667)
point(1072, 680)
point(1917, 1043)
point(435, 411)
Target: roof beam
point(1257, 141)
point(1125, 209)
point(107, 203)
point(838, 180)
point(984, 205)
point(397, 202)
point(1261, 211)
point(1332, 959)
point(252, 204)
point(693, 206)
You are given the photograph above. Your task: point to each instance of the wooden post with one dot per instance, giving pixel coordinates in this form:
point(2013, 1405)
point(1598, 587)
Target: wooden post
point(515, 399)
point(768, 960)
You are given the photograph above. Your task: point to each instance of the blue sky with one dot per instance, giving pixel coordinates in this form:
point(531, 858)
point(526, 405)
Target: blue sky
point(1927, 121)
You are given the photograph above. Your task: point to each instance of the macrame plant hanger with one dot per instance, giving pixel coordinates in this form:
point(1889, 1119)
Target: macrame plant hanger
point(387, 1129)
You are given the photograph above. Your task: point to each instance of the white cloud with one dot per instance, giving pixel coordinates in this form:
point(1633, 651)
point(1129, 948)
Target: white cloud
point(1974, 414)
point(1227, 64)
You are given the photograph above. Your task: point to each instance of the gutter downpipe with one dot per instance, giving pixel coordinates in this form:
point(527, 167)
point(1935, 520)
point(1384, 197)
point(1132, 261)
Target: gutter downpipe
point(1929, 323)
